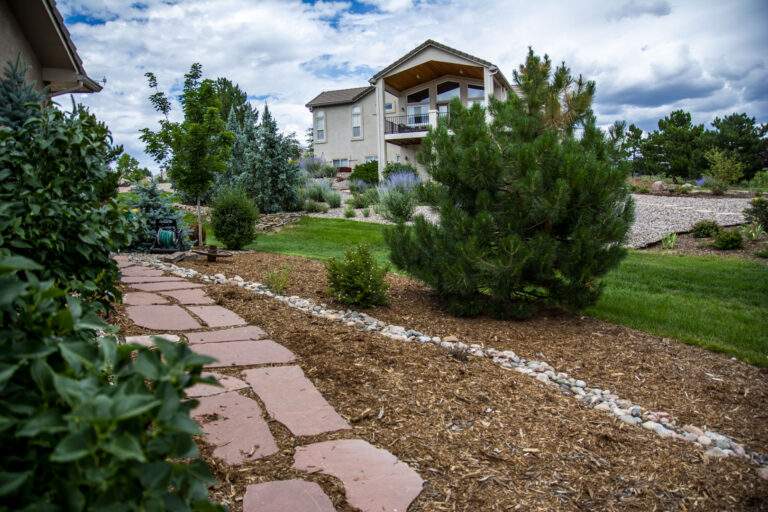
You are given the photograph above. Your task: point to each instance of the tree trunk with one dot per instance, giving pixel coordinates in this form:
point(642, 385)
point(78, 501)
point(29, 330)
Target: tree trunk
point(199, 225)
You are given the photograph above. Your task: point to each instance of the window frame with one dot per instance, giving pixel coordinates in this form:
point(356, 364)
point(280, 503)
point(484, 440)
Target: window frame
point(317, 115)
point(359, 114)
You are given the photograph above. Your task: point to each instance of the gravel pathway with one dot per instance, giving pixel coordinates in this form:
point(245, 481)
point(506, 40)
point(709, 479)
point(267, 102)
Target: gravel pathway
point(655, 216)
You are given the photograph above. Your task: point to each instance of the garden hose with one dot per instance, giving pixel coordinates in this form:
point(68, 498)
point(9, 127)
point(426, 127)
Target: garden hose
point(165, 238)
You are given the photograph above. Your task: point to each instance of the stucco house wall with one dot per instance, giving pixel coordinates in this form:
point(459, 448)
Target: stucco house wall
point(13, 43)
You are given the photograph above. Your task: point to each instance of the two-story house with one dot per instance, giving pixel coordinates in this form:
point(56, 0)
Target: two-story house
point(387, 119)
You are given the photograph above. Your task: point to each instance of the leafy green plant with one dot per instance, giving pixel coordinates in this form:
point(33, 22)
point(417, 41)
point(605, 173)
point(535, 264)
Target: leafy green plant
point(427, 192)
point(57, 202)
point(757, 212)
point(312, 206)
point(724, 170)
point(89, 423)
point(762, 253)
point(753, 231)
point(396, 205)
point(149, 206)
point(324, 171)
point(333, 198)
point(357, 280)
point(367, 172)
point(728, 240)
point(317, 191)
point(365, 199)
point(398, 167)
point(349, 212)
point(233, 218)
point(366, 212)
point(705, 229)
point(669, 241)
point(759, 180)
point(128, 169)
point(278, 280)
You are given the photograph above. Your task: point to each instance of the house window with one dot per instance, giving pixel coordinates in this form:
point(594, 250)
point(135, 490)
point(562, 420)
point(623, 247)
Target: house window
point(418, 108)
point(389, 106)
point(371, 158)
point(319, 126)
point(340, 162)
point(475, 94)
point(446, 91)
point(357, 122)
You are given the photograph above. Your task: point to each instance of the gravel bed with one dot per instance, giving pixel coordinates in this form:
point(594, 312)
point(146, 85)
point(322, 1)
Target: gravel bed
point(655, 216)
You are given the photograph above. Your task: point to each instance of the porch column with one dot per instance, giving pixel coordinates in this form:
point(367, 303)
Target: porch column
point(382, 144)
point(487, 91)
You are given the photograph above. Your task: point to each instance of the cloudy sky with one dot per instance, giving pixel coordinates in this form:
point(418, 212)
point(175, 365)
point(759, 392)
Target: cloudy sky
point(648, 57)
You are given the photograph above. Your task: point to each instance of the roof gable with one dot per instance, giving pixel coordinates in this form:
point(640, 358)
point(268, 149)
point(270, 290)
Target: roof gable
point(339, 96)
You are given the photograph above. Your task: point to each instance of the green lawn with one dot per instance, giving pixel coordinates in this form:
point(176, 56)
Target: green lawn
point(717, 303)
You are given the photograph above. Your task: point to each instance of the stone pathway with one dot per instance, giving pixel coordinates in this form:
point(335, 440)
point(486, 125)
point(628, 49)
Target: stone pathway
point(237, 427)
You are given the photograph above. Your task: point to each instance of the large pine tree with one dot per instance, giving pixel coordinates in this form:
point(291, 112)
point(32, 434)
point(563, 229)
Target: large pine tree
point(533, 209)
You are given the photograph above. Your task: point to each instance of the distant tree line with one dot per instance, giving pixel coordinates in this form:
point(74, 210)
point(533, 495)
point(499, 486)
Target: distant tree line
point(679, 148)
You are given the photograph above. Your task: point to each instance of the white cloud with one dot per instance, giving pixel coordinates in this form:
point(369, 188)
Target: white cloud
point(290, 51)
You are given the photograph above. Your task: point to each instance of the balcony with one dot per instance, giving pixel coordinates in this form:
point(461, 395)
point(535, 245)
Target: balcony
point(410, 129)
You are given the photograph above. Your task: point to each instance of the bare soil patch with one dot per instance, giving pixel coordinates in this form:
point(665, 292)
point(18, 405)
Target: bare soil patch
point(693, 384)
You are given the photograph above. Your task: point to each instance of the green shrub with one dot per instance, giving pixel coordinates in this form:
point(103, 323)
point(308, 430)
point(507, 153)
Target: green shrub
point(753, 232)
point(366, 212)
point(333, 198)
point(357, 280)
point(396, 205)
point(90, 424)
point(233, 218)
point(349, 212)
point(669, 241)
point(311, 206)
point(367, 172)
point(427, 192)
point(762, 253)
point(368, 198)
point(397, 167)
point(149, 206)
point(728, 240)
point(757, 212)
point(317, 191)
point(53, 207)
point(759, 180)
point(724, 170)
point(705, 229)
point(277, 280)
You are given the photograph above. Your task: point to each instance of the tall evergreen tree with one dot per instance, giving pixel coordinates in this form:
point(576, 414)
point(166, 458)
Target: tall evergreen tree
point(231, 97)
point(676, 148)
point(530, 214)
point(197, 148)
point(18, 98)
point(743, 138)
point(270, 177)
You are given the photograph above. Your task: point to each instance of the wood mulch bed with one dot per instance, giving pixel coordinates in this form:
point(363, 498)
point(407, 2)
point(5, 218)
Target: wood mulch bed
point(691, 383)
point(688, 244)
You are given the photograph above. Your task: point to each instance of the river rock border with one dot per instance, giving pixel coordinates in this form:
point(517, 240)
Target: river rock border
point(660, 422)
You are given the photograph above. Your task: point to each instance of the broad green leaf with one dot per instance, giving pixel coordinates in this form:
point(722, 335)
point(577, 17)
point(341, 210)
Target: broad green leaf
point(155, 475)
point(9, 481)
point(72, 447)
point(125, 447)
point(17, 263)
point(148, 365)
point(47, 422)
point(128, 406)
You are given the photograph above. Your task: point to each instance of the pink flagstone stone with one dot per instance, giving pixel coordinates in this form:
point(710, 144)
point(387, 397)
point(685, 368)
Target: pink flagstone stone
point(217, 316)
point(194, 296)
point(245, 353)
point(147, 279)
point(374, 479)
point(227, 384)
point(143, 299)
point(147, 340)
point(294, 401)
point(162, 318)
point(123, 263)
point(235, 426)
point(249, 332)
point(140, 272)
point(170, 285)
point(286, 496)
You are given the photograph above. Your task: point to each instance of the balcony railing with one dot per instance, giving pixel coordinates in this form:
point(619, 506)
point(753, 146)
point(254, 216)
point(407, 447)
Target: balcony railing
point(412, 123)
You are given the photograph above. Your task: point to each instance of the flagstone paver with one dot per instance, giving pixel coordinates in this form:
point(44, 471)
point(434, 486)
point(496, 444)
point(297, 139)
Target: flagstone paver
point(147, 340)
point(374, 479)
point(249, 332)
point(140, 272)
point(234, 425)
point(294, 401)
point(286, 496)
point(217, 316)
point(228, 383)
point(143, 299)
point(162, 318)
point(170, 285)
point(148, 279)
point(193, 296)
point(245, 353)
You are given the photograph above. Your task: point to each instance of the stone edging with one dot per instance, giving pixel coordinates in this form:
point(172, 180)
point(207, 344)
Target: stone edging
point(659, 422)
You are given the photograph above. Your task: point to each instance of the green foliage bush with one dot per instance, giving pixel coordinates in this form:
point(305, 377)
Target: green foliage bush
point(149, 206)
point(758, 211)
point(87, 423)
point(705, 229)
point(233, 218)
point(312, 206)
point(364, 199)
point(533, 211)
point(397, 205)
point(357, 280)
point(54, 205)
point(669, 241)
point(724, 170)
point(427, 192)
point(316, 191)
point(349, 212)
point(759, 180)
point(278, 280)
point(367, 172)
point(333, 198)
point(728, 240)
point(395, 167)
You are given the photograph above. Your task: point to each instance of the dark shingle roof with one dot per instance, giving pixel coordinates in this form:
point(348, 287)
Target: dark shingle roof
point(339, 96)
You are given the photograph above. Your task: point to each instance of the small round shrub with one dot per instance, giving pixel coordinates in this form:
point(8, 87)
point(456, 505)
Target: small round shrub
point(233, 218)
point(427, 192)
point(367, 172)
point(333, 198)
point(311, 206)
point(359, 186)
point(349, 212)
point(728, 240)
point(705, 229)
point(357, 280)
point(397, 205)
point(758, 212)
point(398, 167)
